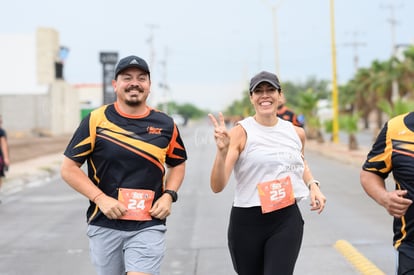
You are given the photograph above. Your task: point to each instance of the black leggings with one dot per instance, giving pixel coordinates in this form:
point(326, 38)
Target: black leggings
point(265, 244)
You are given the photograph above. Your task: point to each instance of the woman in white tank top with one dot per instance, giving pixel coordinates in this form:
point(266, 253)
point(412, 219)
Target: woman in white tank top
point(267, 155)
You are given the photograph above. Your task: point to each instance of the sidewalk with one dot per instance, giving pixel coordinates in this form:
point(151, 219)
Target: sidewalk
point(33, 159)
point(339, 152)
point(29, 171)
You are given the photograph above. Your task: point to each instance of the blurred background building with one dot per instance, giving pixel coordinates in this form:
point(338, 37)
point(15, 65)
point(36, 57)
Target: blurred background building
point(35, 99)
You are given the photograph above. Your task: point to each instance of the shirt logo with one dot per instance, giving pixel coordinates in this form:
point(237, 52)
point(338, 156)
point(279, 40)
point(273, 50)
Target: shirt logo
point(154, 131)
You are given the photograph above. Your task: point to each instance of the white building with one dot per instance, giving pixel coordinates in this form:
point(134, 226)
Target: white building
point(33, 96)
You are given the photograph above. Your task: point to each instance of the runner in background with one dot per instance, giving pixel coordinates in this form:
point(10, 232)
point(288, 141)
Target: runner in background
point(285, 113)
point(4, 152)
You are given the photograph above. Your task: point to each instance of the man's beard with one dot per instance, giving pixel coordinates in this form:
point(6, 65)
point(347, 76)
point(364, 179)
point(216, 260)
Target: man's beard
point(137, 102)
point(133, 103)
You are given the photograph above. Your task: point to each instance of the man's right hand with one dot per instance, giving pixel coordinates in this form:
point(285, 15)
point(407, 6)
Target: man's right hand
point(110, 207)
point(396, 204)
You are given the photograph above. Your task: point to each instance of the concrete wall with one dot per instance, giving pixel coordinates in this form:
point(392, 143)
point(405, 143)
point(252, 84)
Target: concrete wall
point(64, 108)
point(38, 104)
point(55, 113)
point(22, 114)
point(47, 53)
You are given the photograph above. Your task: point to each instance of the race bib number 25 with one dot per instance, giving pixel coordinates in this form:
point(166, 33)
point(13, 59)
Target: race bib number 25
point(138, 202)
point(276, 194)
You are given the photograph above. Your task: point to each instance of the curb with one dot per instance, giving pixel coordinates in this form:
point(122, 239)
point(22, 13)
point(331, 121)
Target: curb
point(37, 170)
point(339, 152)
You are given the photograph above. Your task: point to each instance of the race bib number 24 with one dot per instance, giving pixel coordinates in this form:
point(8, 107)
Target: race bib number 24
point(138, 202)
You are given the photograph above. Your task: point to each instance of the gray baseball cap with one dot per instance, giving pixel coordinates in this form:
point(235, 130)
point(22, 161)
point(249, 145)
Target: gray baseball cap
point(129, 62)
point(264, 77)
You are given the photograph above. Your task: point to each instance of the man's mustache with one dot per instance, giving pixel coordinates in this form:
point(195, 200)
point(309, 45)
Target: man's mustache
point(134, 87)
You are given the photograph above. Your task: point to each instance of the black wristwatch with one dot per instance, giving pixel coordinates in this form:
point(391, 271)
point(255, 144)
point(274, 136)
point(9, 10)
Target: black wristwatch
point(173, 194)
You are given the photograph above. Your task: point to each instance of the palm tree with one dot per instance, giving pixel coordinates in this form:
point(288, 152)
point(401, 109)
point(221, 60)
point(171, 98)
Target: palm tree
point(398, 107)
point(382, 78)
point(308, 106)
point(349, 123)
point(405, 72)
point(360, 86)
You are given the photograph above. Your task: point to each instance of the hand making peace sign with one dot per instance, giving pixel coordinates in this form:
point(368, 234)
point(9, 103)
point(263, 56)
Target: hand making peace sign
point(221, 134)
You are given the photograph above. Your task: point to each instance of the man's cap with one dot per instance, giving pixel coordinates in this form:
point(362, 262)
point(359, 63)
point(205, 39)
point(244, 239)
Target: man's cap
point(264, 77)
point(131, 61)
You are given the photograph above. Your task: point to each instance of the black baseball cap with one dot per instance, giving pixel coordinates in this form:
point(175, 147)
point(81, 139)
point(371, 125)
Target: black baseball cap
point(264, 77)
point(131, 61)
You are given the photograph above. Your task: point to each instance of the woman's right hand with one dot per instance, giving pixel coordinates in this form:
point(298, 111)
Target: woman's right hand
point(221, 134)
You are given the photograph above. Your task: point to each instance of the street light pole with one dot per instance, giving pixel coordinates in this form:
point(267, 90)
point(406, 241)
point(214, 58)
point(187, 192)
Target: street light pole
point(274, 16)
point(274, 8)
point(335, 125)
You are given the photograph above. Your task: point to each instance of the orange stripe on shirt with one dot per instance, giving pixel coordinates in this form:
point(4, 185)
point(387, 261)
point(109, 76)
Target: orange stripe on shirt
point(136, 152)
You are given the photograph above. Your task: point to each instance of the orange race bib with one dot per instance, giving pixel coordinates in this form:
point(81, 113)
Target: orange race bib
point(138, 202)
point(276, 194)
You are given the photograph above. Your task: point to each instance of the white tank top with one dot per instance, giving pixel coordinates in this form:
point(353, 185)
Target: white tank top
point(270, 153)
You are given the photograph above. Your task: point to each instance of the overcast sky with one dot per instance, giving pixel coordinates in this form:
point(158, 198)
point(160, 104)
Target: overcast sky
point(206, 51)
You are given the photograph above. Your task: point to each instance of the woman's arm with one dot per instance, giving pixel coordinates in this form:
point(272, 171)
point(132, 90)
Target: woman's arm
point(317, 198)
point(229, 147)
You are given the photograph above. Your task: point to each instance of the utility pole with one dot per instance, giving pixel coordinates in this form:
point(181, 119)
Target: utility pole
point(393, 23)
point(274, 7)
point(164, 83)
point(151, 60)
point(355, 44)
point(335, 123)
point(150, 41)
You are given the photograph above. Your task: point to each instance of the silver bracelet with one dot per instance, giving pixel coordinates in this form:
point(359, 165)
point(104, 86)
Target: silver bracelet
point(308, 184)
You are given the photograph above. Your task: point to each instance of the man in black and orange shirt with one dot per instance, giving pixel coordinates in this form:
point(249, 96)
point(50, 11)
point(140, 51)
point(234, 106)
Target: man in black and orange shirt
point(393, 151)
point(136, 164)
point(287, 114)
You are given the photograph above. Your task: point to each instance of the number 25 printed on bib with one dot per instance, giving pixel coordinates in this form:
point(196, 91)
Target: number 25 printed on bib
point(138, 202)
point(276, 194)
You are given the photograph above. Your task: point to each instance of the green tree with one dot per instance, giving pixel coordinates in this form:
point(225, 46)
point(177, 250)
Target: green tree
point(349, 123)
point(405, 69)
point(292, 91)
point(397, 108)
point(308, 106)
point(187, 110)
point(240, 108)
point(359, 88)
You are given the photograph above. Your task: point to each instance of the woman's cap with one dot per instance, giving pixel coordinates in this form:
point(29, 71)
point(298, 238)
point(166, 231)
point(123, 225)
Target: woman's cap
point(129, 62)
point(264, 77)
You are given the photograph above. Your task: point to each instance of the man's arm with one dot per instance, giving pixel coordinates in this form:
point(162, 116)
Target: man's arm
point(393, 201)
point(162, 207)
point(74, 176)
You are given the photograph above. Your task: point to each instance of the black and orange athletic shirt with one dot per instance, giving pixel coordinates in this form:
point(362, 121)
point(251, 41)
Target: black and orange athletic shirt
point(128, 152)
point(286, 114)
point(393, 151)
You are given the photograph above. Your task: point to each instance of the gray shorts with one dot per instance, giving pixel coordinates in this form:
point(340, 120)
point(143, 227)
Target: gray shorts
point(114, 252)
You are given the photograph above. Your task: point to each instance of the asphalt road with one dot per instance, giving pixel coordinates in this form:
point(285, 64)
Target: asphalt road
point(43, 226)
